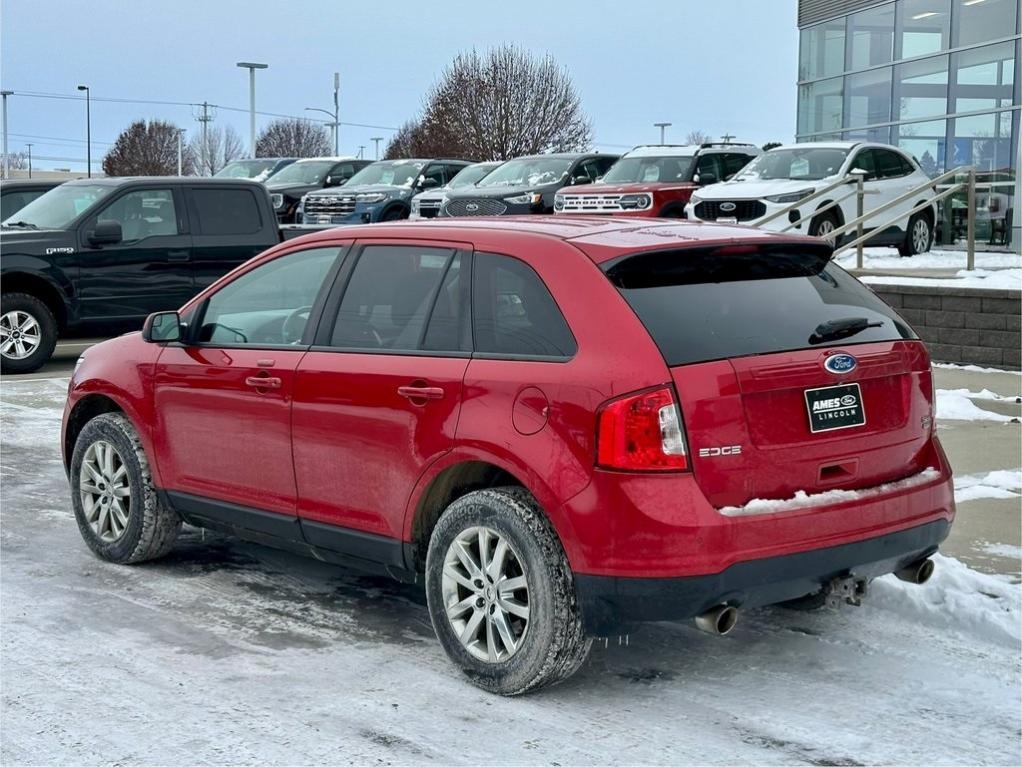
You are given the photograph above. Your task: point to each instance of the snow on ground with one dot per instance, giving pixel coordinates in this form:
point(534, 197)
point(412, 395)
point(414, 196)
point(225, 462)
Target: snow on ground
point(994, 484)
point(1005, 550)
point(974, 368)
point(957, 405)
point(888, 258)
point(1000, 279)
point(231, 653)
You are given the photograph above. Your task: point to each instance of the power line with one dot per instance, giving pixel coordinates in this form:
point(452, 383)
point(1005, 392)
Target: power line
point(44, 139)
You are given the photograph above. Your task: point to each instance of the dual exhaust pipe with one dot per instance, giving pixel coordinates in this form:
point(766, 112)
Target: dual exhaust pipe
point(721, 619)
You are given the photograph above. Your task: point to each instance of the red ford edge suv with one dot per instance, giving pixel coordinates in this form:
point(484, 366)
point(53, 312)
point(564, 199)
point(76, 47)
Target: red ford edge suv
point(565, 427)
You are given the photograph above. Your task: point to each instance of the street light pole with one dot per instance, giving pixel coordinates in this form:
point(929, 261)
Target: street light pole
point(337, 119)
point(252, 67)
point(88, 130)
point(29, 160)
point(7, 157)
point(180, 153)
point(333, 125)
point(662, 127)
point(376, 140)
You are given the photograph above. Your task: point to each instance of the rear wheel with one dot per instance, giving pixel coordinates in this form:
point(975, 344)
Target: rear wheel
point(919, 236)
point(501, 594)
point(28, 333)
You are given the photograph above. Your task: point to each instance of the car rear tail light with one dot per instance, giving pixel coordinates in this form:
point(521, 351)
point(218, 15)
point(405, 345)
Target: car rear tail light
point(641, 432)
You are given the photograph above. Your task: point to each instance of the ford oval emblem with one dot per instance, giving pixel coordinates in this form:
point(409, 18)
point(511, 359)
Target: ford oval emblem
point(471, 207)
point(839, 364)
point(727, 207)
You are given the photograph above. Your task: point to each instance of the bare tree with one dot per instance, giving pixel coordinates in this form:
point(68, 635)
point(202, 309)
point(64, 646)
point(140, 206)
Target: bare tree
point(222, 146)
point(503, 104)
point(698, 137)
point(16, 160)
point(293, 137)
point(146, 149)
point(406, 142)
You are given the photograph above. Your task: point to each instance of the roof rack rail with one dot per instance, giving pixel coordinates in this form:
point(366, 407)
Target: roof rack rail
point(709, 144)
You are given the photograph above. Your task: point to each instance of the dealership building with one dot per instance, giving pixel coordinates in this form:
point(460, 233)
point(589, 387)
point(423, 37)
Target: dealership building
point(938, 78)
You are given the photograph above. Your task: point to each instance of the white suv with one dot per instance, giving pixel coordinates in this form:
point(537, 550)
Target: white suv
point(787, 174)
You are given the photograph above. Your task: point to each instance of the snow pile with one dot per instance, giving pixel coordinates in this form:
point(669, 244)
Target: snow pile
point(975, 368)
point(804, 500)
point(1005, 550)
point(1001, 279)
point(957, 598)
point(981, 394)
point(996, 484)
point(888, 258)
point(957, 405)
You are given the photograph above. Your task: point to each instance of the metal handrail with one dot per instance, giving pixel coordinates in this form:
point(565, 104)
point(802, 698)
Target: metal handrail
point(818, 211)
point(809, 198)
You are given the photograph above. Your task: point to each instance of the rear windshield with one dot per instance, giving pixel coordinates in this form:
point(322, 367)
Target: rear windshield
point(735, 301)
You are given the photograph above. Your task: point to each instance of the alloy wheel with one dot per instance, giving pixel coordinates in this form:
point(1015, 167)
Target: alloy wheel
point(105, 491)
point(486, 594)
point(20, 335)
point(920, 236)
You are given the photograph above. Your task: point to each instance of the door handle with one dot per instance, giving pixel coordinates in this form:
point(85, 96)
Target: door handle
point(421, 392)
point(178, 255)
point(263, 382)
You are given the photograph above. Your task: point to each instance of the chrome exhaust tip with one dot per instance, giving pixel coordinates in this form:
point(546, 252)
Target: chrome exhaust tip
point(718, 620)
point(918, 572)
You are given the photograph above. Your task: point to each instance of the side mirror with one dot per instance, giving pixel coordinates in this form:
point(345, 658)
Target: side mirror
point(106, 233)
point(162, 327)
point(429, 183)
point(704, 179)
point(582, 179)
point(336, 180)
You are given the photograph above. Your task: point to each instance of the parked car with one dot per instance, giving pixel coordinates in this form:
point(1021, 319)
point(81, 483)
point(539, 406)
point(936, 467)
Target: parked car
point(257, 169)
point(526, 184)
point(564, 426)
point(289, 186)
point(382, 191)
point(98, 255)
point(785, 175)
point(17, 193)
point(427, 204)
point(656, 180)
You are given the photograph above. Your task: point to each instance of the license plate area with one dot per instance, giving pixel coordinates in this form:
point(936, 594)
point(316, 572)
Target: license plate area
point(835, 407)
point(727, 220)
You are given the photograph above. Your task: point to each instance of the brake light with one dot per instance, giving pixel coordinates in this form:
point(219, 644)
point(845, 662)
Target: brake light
point(641, 432)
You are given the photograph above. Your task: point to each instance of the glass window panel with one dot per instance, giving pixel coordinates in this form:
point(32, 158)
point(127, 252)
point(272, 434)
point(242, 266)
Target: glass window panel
point(925, 27)
point(871, 36)
point(880, 135)
point(982, 20)
point(926, 141)
point(822, 50)
point(869, 97)
point(986, 77)
point(820, 106)
point(921, 88)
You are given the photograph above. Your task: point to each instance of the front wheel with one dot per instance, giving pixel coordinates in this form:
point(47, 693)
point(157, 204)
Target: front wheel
point(28, 333)
point(501, 594)
point(823, 226)
point(919, 236)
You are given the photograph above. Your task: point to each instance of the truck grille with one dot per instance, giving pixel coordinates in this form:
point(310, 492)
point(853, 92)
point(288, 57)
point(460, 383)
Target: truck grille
point(477, 207)
point(590, 203)
point(744, 210)
point(325, 208)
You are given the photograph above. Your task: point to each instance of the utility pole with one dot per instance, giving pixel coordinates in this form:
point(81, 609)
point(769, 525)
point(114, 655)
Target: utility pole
point(29, 160)
point(377, 140)
point(7, 157)
point(205, 160)
point(337, 120)
point(727, 138)
point(180, 154)
point(88, 130)
point(251, 66)
point(361, 151)
point(663, 127)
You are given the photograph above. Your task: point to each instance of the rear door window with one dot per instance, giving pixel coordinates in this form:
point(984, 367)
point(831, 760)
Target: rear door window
point(734, 301)
point(513, 313)
point(226, 211)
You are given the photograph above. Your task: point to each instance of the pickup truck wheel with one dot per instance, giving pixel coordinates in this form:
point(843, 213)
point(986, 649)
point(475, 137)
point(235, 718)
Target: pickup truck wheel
point(501, 594)
point(28, 333)
point(119, 514)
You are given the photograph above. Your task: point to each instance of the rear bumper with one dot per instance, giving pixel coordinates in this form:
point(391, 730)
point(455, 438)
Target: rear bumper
point(611, 605)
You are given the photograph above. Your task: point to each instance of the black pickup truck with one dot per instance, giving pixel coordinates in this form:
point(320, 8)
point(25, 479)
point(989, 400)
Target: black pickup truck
point(97, 256)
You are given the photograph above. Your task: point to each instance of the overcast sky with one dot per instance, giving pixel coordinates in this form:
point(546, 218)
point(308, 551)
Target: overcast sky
point(714, 65)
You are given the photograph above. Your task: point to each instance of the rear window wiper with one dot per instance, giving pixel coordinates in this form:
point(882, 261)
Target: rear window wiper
point(19, 225)
point(832, 330)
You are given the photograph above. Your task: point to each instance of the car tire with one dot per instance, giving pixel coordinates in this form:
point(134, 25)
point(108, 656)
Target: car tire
point(918, 237)
point(394, 214)
point(547, 643)
point(119, 513)
point(28, 333)
point(823, 225)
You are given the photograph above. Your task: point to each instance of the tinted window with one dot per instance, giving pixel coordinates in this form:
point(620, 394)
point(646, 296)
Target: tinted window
point(145, 213)
point(448, 329)
point(389, 296)
point(269, 305)
point(707, 166)
point(227, 211)
point(889, 164)
point(12, 202)
point(865, 160)
point(734, 163)
point(514, 313)
point(344, 170)
point(710, 304)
